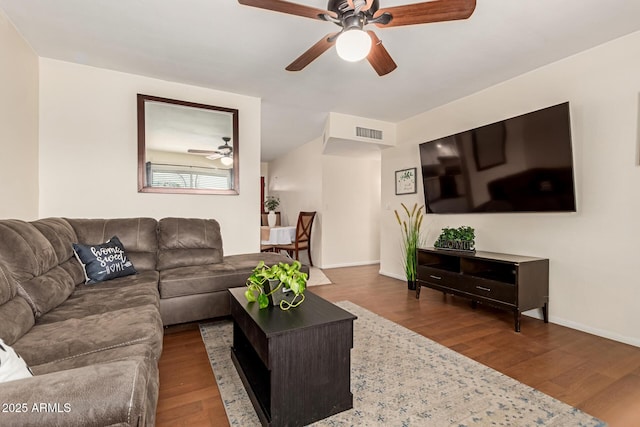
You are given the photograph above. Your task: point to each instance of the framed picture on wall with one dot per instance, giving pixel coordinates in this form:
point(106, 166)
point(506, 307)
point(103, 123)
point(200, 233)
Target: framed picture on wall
point(406, 181)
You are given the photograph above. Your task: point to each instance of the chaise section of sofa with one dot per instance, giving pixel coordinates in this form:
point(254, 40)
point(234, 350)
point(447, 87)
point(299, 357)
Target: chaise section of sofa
point(195, 274)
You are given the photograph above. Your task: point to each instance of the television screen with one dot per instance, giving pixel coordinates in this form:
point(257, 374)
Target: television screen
point(522, 164)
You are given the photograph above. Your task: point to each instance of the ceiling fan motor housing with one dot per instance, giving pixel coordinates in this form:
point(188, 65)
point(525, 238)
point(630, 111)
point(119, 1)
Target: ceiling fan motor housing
point(344, 11)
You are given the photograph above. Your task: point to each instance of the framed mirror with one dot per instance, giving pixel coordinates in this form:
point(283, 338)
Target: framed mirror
point(184, 147)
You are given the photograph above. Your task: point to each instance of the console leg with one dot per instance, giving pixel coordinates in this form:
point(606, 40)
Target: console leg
point(545, 312)
point(417, 290)
point(516, 320)
point(474, 304)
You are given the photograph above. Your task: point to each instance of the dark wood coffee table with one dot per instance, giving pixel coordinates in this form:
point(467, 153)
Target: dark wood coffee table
point(295, 364)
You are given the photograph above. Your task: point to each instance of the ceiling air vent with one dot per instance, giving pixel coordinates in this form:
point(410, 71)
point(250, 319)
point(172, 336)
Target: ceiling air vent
point(368, 133)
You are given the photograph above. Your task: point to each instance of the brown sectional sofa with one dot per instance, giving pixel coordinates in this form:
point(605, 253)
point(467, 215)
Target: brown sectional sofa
point(94, 349)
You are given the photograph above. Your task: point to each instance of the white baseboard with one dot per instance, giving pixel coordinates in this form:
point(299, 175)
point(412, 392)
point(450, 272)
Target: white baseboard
point(350, 264)
point(393, 275)
point(595, 331)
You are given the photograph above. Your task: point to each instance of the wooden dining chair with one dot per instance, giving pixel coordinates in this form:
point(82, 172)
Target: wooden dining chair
point(264, 236)
point(267, 248)
point(303, 237)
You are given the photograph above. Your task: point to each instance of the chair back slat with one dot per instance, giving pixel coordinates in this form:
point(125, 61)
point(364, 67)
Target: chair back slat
point(303, 227)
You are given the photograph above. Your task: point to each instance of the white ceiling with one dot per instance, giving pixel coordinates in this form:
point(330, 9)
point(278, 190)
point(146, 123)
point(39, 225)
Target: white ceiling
point(223, 45)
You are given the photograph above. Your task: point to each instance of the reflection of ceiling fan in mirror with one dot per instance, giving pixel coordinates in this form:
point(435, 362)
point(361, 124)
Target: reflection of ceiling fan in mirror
point(224, 152)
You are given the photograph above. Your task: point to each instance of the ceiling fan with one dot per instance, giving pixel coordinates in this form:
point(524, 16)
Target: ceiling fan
point(224, 152)
point(352, 42)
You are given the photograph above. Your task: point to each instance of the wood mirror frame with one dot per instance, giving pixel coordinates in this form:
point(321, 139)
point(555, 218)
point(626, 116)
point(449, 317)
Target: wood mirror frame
point(190, 128)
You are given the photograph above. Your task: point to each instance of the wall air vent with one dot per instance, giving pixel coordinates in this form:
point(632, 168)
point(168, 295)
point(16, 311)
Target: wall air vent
point(346, 135)
point(368, 133)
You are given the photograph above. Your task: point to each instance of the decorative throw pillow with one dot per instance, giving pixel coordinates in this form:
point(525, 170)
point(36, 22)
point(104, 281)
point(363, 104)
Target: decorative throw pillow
point(104, 262)
point(12, 366)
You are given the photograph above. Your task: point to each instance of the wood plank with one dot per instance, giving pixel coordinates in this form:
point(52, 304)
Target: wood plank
point(599, 376)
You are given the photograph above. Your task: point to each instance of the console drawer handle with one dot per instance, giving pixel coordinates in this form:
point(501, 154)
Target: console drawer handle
point(435, 277)
point(483, 289)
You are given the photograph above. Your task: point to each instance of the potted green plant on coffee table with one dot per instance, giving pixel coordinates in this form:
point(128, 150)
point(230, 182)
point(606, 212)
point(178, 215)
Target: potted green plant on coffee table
point(281, 285)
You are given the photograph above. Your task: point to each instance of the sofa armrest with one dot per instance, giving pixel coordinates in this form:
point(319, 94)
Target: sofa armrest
point(109, 394)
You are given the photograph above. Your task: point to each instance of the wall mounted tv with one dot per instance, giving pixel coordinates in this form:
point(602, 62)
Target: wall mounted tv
point(522, 164)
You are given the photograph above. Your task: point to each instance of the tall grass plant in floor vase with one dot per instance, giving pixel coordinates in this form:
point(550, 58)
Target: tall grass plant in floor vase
point(410, 228)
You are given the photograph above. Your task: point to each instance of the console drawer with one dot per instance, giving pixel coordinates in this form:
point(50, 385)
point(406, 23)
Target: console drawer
point(438, 276)
point(498, 291)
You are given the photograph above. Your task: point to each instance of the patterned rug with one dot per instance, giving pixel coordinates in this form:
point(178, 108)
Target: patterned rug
point(400, 378)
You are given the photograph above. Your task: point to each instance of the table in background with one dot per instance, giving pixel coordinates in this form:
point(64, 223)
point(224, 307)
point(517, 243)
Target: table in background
point(277, 235)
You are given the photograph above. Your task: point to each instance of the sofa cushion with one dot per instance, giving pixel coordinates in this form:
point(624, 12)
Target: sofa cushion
point(104, 394)
point(199, 279)
point(60, 235)
point(247, 262)
point(48, 290)
point(102, 262)
point(29, 253)
point(12, 366)
point(124, 292)
point(138, 235)
point(42, 278)
point(116, 354)
point(72, 338)
point(186, 242)
point(16, 316)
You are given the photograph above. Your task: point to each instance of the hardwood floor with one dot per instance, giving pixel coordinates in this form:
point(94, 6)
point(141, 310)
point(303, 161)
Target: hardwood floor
point(599, 376)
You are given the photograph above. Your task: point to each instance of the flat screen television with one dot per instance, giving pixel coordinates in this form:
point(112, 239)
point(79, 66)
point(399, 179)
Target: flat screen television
point(522, 164)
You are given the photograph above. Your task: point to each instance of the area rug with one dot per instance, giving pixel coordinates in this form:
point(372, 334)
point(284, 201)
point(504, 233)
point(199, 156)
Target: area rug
point(400, 378)
point(317, 277)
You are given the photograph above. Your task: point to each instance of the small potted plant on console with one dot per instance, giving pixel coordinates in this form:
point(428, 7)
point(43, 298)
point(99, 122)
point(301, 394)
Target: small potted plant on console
point(280, 285)
point(457, 239)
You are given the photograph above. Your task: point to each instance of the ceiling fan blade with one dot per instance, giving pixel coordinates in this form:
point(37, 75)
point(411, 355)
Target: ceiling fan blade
point(313, 52)
point(423, 13)
point(193, 151)
point(288, 7)
point(378, 57)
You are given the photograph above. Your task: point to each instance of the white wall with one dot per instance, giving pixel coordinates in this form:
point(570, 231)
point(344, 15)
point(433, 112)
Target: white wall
point(345, 192)
point(297, 180)
point(88, 151)
point(351, 210)
point(593, 253)
point(18, 125)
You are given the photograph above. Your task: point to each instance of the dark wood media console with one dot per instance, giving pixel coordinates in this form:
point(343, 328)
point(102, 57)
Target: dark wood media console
point(511, 282)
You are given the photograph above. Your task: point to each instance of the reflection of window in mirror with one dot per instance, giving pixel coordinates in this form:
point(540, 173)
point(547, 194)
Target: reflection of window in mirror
point(184, 147)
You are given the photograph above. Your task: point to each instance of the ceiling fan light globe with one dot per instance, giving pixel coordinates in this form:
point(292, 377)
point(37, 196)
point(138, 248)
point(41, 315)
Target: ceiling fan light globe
point(353, 45)
point(227, 161)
